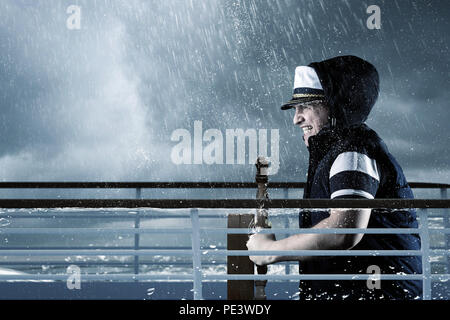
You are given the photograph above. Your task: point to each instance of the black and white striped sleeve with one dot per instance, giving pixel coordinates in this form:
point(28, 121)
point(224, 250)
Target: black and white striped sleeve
point(354, 175)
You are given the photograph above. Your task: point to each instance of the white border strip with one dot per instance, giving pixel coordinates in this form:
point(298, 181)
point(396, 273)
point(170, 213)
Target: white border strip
point(355, 161)
point(351, 192)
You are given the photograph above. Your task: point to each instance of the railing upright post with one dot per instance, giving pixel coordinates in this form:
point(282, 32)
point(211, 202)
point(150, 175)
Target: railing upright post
point(286, 193)
point(443, 193)
point(446, 225)
point(425, 248)
point(138, 193)
point(137, 222)
point(286, 225)
point(196, 257)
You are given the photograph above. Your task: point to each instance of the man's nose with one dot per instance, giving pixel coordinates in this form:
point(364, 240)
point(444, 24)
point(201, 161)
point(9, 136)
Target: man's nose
point(298, 116)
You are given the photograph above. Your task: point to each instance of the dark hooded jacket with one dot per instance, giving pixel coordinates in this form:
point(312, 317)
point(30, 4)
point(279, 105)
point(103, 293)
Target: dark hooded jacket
point(351, 87)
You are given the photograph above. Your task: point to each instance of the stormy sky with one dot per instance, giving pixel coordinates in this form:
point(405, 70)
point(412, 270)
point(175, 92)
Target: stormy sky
point(101, 103)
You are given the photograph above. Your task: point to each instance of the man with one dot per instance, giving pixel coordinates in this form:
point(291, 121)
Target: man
point(332, 99)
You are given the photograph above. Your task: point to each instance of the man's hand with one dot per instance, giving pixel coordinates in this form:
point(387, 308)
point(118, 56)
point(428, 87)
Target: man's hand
point(261, 241)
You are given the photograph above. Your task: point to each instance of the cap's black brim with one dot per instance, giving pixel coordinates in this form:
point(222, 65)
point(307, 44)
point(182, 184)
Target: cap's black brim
point(292, 103)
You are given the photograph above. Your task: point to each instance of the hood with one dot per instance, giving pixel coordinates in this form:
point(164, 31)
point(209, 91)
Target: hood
point(351, 87)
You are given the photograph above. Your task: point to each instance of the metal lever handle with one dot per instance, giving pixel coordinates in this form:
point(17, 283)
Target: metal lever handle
point(262, 166)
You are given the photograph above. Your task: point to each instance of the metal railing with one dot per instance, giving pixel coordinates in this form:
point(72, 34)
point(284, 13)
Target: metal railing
point(196, 231)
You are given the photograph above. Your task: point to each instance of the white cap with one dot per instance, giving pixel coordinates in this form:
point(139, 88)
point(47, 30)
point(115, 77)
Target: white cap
point(306, 77)
point(307, 87)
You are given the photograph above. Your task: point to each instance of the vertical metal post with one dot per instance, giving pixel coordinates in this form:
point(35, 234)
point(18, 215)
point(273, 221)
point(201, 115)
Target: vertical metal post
point(286, 193)
point(138, 193)
point(137, 221)
point(425, 248)
point(446, 225)
point(286, 225)
point(196, 256)
point(443, 193)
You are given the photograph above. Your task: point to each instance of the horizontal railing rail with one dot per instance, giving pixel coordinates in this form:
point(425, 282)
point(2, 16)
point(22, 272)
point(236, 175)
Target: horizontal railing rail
point(226, 203)
point(188, 252)
point(128, 231)
point(174, 185)
point(170, 276)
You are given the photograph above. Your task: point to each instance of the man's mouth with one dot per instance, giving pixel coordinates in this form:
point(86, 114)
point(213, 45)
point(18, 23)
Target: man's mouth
point(307, 129)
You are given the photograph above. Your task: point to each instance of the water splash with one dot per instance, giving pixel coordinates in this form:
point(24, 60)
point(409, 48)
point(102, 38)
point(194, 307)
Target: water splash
point(4, 222)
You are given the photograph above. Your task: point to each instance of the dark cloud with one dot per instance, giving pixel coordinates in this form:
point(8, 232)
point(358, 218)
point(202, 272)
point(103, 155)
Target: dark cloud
point(102, 102)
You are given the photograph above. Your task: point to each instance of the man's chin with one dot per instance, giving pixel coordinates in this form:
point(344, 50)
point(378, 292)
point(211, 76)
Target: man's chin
point(305, 138)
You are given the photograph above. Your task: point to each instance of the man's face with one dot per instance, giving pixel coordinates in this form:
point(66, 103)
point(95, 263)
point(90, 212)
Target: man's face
point(310, 118)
